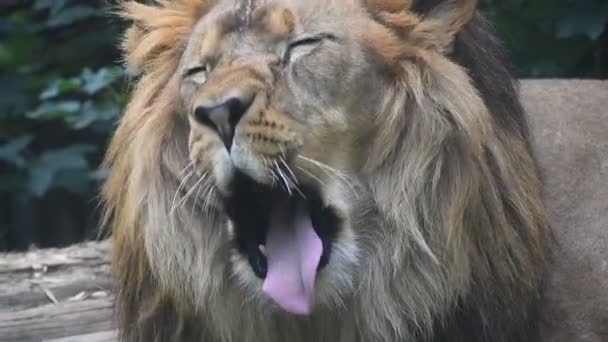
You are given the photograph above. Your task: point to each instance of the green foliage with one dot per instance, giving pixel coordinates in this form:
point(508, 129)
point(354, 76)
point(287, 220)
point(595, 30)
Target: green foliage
point(554, 38)
point(61, 93)
point(61, 90)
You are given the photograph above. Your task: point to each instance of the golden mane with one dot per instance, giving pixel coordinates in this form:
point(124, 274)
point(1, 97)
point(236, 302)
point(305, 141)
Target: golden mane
point(152, 47)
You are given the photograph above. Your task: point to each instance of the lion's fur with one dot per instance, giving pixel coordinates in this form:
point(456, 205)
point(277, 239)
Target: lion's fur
point(456, 251)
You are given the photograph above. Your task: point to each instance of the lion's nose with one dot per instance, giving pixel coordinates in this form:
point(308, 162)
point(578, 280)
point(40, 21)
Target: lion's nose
point(223, 117)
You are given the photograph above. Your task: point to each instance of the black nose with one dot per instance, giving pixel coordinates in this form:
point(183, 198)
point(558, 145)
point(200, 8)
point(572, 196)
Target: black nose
point(223, 117)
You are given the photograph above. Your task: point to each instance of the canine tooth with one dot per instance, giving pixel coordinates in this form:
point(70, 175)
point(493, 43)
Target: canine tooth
point(262, 249)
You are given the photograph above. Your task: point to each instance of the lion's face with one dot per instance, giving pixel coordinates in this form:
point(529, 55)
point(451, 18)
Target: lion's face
point(278, 102)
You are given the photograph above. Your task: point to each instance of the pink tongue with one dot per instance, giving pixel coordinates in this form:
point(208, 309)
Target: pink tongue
point(293, 250)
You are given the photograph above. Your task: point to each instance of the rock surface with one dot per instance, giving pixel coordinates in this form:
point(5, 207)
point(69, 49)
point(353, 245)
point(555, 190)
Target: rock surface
point(569, 126)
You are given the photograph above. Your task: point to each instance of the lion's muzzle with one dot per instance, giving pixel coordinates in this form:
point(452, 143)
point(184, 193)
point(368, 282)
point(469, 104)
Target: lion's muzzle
point(281, 225)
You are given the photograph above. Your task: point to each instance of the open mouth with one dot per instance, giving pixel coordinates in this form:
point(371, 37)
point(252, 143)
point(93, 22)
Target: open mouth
point(287, 239)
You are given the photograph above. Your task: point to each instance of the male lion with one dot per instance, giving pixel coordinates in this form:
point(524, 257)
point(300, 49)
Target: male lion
point(322, 170)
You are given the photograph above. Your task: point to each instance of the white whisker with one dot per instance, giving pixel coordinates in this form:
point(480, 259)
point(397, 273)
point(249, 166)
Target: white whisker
point(186, 168)
point(183, 200)
point(182, 183)
point(196, 197)
point(207, 203)
point(283, 154)
point(293, 179)
point(330, 171)
point(278, 170)
point(311, 175)
point(293, 176)
point(275, 178)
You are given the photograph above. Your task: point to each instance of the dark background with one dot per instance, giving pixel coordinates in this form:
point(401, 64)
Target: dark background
point(62, 89)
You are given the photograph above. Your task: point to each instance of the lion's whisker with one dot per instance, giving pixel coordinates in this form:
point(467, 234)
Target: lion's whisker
point(325, 166)
point(292, 177)
point(207, 203)
point(283, 154)
point(311, 175)
point(196, 197)
point(182, 183)
point(268, 167)
point(186, 168)
point(332, 172)
point(275, 178)
point(290, 182)
point(207, 199)
point(185, 198)
point(282, 175)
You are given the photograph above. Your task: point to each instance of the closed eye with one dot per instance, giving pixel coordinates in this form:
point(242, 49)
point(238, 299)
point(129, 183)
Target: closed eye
point(305, 45)
point(195, 70)
point(197, 74)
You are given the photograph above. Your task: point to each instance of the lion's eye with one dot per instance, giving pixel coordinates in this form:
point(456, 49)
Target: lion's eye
point(305, 45)
point(198, 74)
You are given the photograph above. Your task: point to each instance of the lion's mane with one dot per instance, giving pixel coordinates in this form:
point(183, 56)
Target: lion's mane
point(459, 252)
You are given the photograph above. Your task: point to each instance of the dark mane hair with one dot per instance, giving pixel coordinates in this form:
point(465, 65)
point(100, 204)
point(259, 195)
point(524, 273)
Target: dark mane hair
point(478, 49)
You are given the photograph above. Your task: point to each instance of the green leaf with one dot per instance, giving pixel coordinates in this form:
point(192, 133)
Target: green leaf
point(43, 171)
point(72, 14)
point(75, 180)
point(55, 110)
point(14, 97)
point(60, 87)
point(99, 175)
point(40, 180)
point(96, 81)
point(43, 4)
point(53, 5)
point(90, 114)
point(591, 25)
point(11, 152)
point(57, 5)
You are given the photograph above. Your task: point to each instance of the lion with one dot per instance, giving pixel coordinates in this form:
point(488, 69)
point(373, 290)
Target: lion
point(353, 170)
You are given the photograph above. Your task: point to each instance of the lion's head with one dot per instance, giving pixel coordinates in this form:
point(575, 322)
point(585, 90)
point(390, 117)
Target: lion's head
point(324, 158)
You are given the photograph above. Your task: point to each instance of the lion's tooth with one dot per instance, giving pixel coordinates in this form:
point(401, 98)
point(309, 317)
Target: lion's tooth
point(262, 249)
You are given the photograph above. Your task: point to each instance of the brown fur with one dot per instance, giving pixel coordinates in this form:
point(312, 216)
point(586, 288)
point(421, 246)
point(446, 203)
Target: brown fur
point(426, 160)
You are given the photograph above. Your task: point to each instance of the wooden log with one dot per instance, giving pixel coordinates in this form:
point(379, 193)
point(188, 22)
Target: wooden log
point(40, 277)
point(56, 321)
point(56, 295)
point(105, 336)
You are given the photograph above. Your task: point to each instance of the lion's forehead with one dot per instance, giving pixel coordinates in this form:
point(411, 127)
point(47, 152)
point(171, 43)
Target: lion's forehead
point(310, 15)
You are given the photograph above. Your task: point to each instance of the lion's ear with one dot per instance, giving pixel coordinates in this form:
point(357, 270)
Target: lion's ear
point(441, 21)
point(158, 31)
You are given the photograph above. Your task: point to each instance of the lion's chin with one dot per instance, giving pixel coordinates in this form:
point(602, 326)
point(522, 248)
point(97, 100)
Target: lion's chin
point(286, 237)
